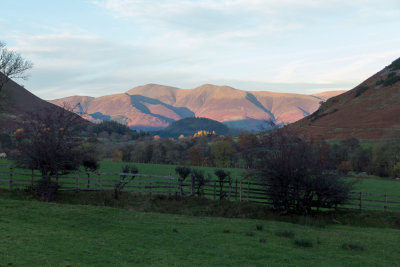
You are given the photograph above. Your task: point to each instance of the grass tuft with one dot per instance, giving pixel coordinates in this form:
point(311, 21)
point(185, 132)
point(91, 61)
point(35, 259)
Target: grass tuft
point(259, 227)
point(312, 222)
point(226, 231)
point(262, 240)
point(174, 230)
point(353, 246)
point(249, 234)
point(305, 243)
point(285, 233)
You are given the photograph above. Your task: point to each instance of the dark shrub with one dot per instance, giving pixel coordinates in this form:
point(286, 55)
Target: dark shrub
point(183, 172)
point(198, 180)
point(45, 190)
point(295, 175)
point(392, 80)
point(361, 90)
point(127, 175)
point(222, 175)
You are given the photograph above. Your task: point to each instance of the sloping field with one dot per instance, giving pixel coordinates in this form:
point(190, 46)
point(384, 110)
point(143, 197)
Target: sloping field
point(43, 234)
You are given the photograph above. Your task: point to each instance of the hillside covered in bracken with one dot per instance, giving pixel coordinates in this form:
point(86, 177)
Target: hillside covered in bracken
point(369, 111)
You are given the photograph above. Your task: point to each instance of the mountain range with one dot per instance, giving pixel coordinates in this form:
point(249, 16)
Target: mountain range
point(152, 106)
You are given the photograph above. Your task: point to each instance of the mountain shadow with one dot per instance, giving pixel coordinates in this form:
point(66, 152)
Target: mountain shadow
point(253, 99)
point(138, 100)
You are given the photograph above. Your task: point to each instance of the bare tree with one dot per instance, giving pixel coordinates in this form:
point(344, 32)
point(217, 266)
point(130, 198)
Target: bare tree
point(12, 66)
point(49, 142)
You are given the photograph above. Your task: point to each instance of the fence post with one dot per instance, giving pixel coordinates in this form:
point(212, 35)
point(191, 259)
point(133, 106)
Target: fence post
point(230, 190)
point(11, 177)
point(98, 181)
point(386, 202)
point(151, 186)
point(361, 197)
point(240, 198)
point(169, 184)
point(248, 190)
point(192, 189)
point(77, 181)
point(180, 183)
point(215, 189)
point(236, 189)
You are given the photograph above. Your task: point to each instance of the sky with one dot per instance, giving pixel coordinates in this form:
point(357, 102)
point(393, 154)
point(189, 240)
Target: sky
point(99, 47)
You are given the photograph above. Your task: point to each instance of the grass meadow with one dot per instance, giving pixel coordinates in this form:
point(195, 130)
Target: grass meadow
point(364, 183)
point(48, 234)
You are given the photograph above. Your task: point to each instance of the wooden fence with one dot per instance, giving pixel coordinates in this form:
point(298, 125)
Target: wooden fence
point(234, 190)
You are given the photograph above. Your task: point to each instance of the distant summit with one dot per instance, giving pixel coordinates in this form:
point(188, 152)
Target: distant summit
point(369, 111)
point(153, 106)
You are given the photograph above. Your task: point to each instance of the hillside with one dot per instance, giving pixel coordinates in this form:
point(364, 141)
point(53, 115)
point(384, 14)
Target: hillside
point(190, 126)
point(369, 111)
point(154, 106)
point(17, 102)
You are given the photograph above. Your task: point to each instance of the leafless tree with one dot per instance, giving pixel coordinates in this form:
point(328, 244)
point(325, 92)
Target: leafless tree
point(49, 142)
point(12, 66)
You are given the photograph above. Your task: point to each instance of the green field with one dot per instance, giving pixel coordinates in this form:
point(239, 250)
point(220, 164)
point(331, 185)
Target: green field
point(43, 234)
point(367, 184)
point(163, 169)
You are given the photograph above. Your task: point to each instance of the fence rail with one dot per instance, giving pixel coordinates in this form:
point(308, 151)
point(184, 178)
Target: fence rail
point(234, 190)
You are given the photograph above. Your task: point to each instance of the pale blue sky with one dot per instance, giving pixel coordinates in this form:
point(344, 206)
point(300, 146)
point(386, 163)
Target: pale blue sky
point(98, 47)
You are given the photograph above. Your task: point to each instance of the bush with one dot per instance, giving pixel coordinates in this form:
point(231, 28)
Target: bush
point(361, 90)
point(395, 65)
point(198, 180)
point(305, 243)
point(183, 172)
point(44, 190)
point(222, 175)
point(295, 176)
point(391, 80)
point(124, 179)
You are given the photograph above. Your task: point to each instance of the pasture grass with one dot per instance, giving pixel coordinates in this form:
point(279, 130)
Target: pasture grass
point(364, 183)
point(51, 234)
point(164, 169)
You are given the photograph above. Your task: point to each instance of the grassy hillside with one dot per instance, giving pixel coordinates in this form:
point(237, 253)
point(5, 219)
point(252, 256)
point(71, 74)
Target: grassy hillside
point(43, 234)
point(190, 126)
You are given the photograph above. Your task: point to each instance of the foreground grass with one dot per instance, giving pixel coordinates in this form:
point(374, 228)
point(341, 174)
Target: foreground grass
point(35, 233)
